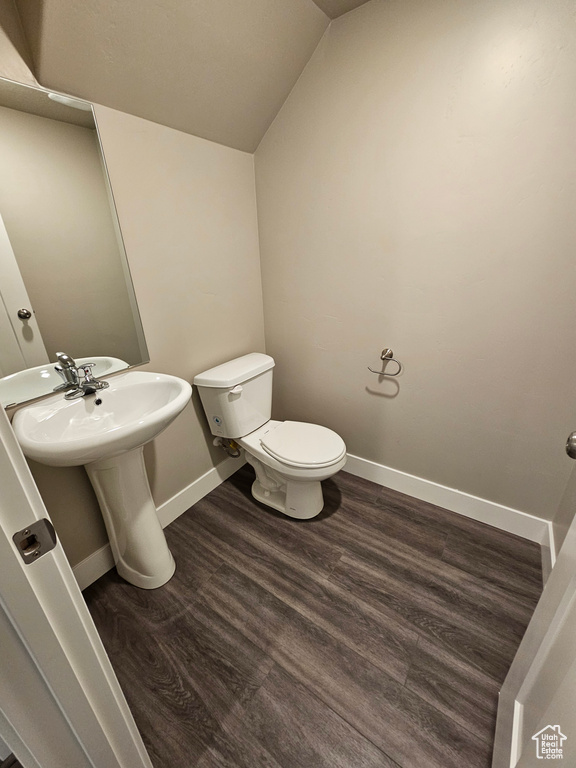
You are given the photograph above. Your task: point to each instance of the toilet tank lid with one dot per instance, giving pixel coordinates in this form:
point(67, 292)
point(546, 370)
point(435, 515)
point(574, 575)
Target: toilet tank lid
point(235, 371)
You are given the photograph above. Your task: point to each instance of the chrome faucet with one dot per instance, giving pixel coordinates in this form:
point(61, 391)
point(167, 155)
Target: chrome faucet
point(68, 371)
point(88, 385)
point(78, 379)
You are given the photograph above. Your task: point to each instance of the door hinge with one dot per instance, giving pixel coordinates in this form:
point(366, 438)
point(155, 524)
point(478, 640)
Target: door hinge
point(35, 540)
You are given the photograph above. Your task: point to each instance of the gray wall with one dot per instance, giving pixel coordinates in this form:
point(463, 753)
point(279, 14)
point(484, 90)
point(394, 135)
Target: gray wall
point(417, 191)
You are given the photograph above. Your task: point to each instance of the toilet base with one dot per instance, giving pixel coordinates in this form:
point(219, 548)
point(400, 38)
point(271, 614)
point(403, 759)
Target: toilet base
point(298, 500)
point(301, 499)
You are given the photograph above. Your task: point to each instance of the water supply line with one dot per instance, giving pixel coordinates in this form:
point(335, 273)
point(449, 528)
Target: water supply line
point(230, 446)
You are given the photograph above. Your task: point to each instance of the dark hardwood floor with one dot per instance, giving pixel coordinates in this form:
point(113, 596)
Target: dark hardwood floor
point(377, 634)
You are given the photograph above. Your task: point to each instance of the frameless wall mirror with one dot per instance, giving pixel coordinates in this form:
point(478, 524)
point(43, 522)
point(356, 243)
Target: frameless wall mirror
point(64, 278)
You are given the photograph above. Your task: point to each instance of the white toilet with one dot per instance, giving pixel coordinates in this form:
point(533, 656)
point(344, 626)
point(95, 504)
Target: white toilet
point(291, 458)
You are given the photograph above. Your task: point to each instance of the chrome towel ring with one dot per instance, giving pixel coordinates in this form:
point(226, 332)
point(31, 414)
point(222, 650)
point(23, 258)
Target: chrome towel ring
point(387, 355)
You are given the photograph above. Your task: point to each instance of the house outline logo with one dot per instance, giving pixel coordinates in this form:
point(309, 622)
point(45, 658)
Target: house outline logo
point(549, 743)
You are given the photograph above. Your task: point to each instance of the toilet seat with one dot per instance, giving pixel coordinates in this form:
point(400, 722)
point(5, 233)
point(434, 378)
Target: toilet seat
point(299, 444)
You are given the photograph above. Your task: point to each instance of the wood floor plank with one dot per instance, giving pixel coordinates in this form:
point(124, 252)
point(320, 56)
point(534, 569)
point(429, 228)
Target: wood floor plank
point(313, 552)
point(400, 531)
point(163, 710)
point(366, 541)
point(526, 554)
point(380, 635)
point(194, 563)
point(455, 687)
point(437, 580)
point(181, 678)
point(233, 746)
point(486, 641)
point(285, 725)
point(298, 729)
point(111, 591)
point(497, 561)
point(400, 723)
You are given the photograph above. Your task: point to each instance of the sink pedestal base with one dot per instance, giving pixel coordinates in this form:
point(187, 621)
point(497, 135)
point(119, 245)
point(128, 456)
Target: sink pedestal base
point(136, 537)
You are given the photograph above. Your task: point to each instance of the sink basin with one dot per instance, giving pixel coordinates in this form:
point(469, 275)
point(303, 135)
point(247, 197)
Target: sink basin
point(106, 432)
point(135, 408)
point(41, 380)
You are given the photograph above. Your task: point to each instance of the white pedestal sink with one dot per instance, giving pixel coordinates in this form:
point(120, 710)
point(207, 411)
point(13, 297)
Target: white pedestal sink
point(108, 439)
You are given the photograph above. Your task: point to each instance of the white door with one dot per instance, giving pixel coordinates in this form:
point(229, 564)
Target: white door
point(21, 343)
point(11, 357)
point(537, 707)
point(60, 703)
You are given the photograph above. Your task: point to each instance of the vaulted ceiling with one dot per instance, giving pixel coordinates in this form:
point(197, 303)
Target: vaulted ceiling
point(335, 8)
point(219, 69)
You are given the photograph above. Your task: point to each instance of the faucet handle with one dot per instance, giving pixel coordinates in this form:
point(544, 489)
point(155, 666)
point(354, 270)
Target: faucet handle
point(90, 384)
point(85, 368)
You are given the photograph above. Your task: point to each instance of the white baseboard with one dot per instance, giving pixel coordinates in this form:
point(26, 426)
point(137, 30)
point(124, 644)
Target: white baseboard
point(201, 487)
point(93, 566)
point(505, 518)
point(548, 552)
point(101, 561)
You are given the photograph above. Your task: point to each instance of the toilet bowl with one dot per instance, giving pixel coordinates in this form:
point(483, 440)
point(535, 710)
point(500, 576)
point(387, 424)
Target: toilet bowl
point(290, 458)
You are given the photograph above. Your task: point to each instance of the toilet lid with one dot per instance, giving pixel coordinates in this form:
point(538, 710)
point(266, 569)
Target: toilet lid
point(303, 445)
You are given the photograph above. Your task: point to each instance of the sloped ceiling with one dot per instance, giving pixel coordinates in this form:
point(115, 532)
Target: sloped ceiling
point(16, 60)
point(335, 8)
point(220, 70)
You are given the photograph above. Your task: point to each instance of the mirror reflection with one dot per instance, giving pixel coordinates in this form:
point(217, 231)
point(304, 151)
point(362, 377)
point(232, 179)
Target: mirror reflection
point(64, 278)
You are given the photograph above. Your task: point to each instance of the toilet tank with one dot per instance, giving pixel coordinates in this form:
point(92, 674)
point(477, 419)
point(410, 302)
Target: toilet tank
point(237, 395)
